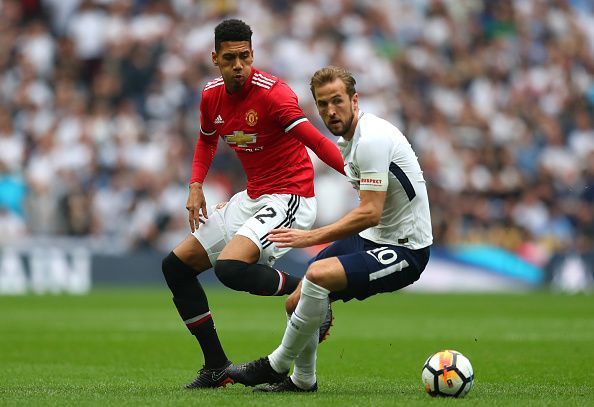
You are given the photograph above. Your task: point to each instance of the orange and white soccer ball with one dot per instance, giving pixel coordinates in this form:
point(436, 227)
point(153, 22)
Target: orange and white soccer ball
point(447, 373)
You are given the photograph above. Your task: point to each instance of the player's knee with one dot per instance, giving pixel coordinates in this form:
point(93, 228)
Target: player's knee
point(168, 265)
point(174, 270)
point(232, 273)
point(317, 274)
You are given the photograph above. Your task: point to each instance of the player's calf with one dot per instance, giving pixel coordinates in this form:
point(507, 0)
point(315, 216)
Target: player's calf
point(257, 279)
point(326, 325)
point(291, 304)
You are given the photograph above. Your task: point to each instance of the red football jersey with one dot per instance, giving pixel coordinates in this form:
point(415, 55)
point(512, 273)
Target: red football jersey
point(256, 121)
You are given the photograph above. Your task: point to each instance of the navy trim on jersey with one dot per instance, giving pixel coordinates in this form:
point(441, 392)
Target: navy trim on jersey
point(404, 181)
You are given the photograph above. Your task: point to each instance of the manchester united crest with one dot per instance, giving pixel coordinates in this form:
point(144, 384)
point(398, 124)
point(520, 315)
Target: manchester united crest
point(251, 117)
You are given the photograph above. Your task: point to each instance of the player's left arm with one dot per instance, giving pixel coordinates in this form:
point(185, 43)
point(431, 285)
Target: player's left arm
point(373, 156)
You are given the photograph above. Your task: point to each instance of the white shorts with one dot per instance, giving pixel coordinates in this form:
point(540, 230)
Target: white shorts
point(254, 218)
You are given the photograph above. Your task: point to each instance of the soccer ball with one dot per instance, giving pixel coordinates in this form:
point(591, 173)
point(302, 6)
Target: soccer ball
point(447, 373)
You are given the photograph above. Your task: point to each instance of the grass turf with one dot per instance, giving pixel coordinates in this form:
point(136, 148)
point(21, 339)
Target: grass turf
point(128, 347)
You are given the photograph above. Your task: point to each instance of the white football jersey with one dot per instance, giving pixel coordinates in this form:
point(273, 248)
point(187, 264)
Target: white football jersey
point(380, 158)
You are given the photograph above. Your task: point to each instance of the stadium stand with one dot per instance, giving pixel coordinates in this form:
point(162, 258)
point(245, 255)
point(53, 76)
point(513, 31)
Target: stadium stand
point(98, 111)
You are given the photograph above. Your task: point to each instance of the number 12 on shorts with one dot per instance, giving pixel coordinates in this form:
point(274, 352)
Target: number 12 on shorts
point(265, 212)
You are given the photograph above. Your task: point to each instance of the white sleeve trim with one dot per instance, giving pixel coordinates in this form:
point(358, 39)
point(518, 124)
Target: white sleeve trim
point(295, 123)
point(206, 133)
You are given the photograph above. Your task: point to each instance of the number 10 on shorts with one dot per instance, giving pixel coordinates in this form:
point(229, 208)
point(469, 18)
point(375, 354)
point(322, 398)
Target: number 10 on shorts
point(383, 255)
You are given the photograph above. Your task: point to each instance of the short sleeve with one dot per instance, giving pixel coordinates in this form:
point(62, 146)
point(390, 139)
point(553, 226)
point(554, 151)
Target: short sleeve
point(373, 157)
point(284, 106)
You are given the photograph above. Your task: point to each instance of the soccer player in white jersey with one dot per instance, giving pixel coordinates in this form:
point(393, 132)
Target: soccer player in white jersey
point(380, 246)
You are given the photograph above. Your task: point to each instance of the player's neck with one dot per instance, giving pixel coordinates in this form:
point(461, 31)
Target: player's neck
point(351, 133)
point(232, 88)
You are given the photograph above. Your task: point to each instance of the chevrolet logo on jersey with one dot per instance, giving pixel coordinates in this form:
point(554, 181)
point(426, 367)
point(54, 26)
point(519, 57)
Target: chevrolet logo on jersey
point(240, 139)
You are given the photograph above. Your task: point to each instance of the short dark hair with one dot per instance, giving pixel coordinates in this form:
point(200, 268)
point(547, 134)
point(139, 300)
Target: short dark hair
point(330, 74)
point(232, 30)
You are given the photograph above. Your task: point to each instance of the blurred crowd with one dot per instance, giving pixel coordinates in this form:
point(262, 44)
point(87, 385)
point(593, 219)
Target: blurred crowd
point(99, 111)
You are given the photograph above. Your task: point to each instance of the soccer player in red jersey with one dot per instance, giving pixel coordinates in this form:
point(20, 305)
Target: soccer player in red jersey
point(258, 116)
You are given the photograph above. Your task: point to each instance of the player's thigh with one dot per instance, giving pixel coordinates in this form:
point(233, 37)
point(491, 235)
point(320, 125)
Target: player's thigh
point(221, 225)
point(277, 211)
point(191, 253)
point(379, 269)
point(241, 248)
point(391, 268)
point(347, 245)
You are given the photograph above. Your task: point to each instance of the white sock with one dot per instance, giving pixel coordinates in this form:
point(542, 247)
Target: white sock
point(304, 373)
point(305, 321)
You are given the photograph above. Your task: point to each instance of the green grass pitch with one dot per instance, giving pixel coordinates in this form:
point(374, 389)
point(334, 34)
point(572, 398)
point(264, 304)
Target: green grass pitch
point(128, 347)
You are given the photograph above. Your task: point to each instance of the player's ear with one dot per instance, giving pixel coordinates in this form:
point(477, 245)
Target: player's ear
point(355, 101)
point(213, 55)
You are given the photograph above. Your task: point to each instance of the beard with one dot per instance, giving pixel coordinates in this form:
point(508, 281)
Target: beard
point(236, 84)
point(345, 128)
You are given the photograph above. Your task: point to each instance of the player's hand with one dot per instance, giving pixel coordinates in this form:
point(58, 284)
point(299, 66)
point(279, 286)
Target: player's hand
point(196, 206)
point(291, 238)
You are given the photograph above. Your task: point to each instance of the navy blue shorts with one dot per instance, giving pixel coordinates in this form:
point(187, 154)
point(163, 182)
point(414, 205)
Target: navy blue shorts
point(373, 268)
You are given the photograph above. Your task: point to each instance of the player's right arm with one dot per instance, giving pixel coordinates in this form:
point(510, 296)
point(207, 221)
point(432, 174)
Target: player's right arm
point(206, 147)
point(373, 156)
point(320, 145)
